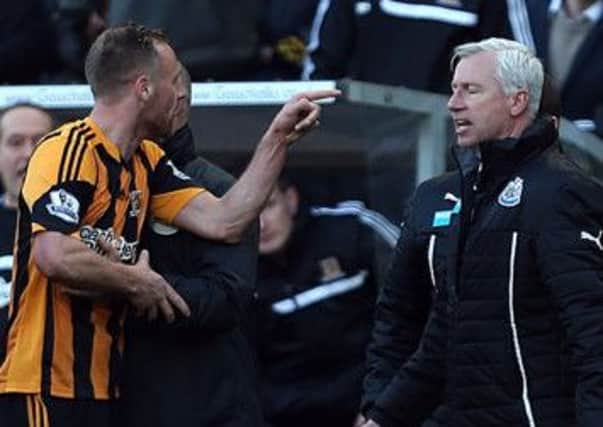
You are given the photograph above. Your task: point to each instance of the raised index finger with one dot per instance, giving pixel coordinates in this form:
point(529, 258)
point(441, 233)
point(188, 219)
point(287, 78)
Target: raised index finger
point(314, 95)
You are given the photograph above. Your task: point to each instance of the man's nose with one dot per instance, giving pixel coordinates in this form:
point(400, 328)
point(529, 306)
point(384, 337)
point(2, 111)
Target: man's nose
point(454, 102)
point(29, 146)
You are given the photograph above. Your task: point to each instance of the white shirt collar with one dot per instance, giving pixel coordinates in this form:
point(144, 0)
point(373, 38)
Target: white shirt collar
point(593, 12)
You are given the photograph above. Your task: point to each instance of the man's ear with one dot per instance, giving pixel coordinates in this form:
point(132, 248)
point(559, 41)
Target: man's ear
point(519, 102)
point(143, 87)
point(292, 200)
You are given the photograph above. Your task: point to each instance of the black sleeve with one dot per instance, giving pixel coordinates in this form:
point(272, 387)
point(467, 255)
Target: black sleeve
point(332, 40)
point(217, 280)
point(569, 253)
point(401, 313)
point(220, 296)
point(418, 387)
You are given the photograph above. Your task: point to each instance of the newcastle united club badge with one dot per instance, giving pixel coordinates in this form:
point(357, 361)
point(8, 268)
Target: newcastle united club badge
point(511, 195)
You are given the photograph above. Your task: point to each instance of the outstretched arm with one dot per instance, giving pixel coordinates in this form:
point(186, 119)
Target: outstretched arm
point(226, 218)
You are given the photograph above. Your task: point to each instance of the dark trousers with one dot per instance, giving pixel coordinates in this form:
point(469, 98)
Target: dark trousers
point(34, 410)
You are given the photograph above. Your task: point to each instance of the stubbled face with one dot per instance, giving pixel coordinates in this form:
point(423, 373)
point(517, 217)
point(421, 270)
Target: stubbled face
point(479, 108)
point(277, 220)
point(20, 130)
point(167, 93)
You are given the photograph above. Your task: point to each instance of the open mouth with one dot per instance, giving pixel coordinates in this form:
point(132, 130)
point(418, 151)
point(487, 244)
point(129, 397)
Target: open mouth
point(461, 125)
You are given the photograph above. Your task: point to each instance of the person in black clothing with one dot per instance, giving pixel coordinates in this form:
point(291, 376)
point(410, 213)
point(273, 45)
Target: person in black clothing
point(567, 37)
point(376, 41)
point(198, 371)
point(511, 246)
point(317, 283)
point(21, 126)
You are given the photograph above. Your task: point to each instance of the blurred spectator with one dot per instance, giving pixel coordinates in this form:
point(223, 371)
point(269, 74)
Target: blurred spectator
point(285, 28)
point(317, 285)
point(399, 42)
point(217, 40)
point(568, 36)
point(77, 23)
point(21, 126)
point(26, 47)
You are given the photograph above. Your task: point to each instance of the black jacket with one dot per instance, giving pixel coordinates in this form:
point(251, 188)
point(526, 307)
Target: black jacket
point(199, 371)
point(514, 336)
point(8, 222)
point(386, 42)
point(582, 93)
point(316, 307)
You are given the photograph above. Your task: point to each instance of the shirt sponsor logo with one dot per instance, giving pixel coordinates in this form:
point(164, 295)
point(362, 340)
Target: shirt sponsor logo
point(64, 205)
point(511, 195)
point(127, 250)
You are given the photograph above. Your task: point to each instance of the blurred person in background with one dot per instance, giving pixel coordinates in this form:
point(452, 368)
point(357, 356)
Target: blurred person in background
point(568, 37)
point(21, 127)
point(76, 23)
point(215, 40)
point(27, 49)
point(400, 43)
point(199, 371)
point(317, 283)
point(285, 28)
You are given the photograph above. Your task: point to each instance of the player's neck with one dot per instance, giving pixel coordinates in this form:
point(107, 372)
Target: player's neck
point(119, 126)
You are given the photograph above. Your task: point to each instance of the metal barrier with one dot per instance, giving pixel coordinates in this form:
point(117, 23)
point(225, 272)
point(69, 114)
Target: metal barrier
point(390, 136)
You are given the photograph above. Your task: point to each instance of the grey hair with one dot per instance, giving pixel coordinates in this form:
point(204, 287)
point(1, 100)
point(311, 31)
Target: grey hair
point(516, 67)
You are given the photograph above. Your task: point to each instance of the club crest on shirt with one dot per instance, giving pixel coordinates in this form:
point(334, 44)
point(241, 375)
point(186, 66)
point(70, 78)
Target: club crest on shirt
point(330, 269)
point(64, 205)
point(511, 195)
point(135, 203)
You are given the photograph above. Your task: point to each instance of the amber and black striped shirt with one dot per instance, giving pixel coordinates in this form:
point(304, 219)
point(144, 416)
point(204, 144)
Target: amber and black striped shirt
point(78, 184)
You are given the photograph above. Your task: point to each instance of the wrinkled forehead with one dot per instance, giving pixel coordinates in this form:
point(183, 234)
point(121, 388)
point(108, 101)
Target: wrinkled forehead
point(479, 67)
point(24, 121)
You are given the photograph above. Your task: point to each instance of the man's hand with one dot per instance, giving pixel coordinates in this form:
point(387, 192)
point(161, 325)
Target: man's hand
point(370, 423)
point(300, 114)
point(154, 294)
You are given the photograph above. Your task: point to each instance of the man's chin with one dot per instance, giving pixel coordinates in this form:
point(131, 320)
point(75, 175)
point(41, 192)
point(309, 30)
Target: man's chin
point(465, 142)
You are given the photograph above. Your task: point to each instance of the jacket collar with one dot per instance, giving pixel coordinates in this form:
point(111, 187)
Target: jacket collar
point(499, 158)
point(180, 147)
